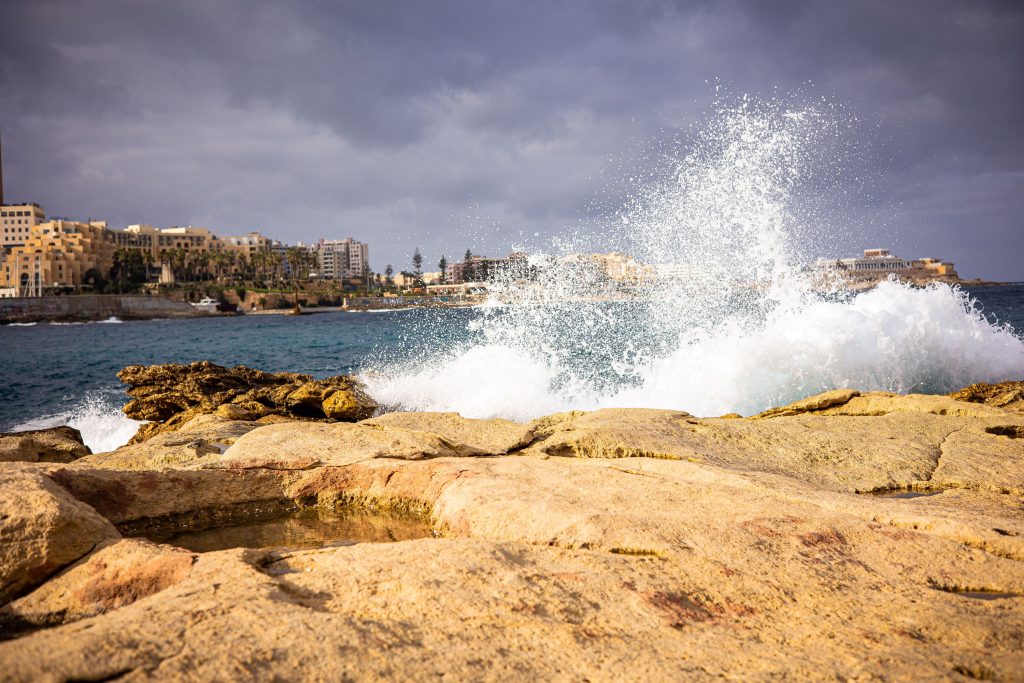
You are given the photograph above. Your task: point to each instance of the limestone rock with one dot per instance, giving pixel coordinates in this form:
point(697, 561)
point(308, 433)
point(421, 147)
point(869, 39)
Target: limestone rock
point(644, 544)
point(201, 440)
point(112, 577)
point(1008, 395)
point(469, 436)
point(872, 449)
point(42, 529)
point(347, 405)
point(56, 444)
point(233, 411)
point(171, 395)
point(836, 397)
point(884, 403)
point(581, 568)
point(300, 446)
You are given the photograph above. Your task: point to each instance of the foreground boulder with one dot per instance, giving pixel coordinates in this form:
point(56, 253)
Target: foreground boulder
point(168, 396)
point(113, 576)
point(42, 529)
point(57, 444)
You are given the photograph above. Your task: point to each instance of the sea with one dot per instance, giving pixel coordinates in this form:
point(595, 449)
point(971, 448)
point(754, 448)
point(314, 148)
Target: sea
point(443, 359)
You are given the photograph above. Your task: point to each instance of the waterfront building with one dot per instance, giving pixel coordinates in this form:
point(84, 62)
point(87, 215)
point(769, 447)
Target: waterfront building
point(342, 259)
point(158, 242)
point(880, 263)
point(482, 268)
point(59, 253)
point(248, 245)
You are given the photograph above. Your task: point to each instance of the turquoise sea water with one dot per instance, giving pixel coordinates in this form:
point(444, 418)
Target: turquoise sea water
point(54, 373)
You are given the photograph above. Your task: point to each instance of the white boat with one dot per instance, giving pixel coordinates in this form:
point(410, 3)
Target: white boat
point(207, 304)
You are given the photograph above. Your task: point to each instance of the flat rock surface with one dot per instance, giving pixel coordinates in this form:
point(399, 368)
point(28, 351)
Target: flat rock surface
point(470, 437)
point(634, 544)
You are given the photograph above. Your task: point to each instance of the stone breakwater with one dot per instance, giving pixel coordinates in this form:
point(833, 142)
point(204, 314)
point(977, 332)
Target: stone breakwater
point(85, 307)
point(845, 536)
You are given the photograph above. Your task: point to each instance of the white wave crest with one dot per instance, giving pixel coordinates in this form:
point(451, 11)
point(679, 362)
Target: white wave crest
point(103, 425)
point(735, 324)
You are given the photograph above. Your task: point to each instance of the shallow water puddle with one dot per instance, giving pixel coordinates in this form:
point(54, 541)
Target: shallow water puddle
point(290, 529)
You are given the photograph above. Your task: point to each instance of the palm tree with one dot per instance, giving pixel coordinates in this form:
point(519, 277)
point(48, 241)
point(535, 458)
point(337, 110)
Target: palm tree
point(299, 263)
point(201, 261)
point(147, 259)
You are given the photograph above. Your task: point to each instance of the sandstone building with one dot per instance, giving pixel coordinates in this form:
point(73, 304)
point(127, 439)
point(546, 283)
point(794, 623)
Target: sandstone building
point(58, 253)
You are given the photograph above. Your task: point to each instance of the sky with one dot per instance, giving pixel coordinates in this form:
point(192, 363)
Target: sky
point(501, 125)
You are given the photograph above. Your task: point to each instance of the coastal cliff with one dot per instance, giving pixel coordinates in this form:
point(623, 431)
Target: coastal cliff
point(848, 535)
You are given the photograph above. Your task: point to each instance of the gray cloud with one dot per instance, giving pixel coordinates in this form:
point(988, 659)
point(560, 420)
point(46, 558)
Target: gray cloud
point(453, 124)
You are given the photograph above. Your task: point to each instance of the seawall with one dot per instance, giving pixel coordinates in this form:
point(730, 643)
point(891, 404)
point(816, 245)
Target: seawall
point(92, 307)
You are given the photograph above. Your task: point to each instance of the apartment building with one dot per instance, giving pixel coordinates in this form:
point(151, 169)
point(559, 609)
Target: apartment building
point(342, 259)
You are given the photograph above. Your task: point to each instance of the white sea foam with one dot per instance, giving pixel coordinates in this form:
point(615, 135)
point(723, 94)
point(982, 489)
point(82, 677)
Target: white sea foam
point(102, 424)
point(734, 325)
point(21, 324)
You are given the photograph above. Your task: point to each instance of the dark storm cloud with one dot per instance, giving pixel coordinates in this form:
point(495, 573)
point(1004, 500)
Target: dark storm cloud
point(440, 123)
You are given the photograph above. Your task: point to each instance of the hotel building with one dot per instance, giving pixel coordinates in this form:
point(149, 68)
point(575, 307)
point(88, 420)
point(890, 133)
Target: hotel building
point(58, 253)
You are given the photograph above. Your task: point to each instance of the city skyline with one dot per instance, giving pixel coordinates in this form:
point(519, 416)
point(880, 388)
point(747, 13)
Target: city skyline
point(310, 122)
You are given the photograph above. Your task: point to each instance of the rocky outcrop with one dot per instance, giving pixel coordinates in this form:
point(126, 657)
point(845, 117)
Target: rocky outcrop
point(57, 444)
point(846, 536)
point(168, 396)
point(1007, 395)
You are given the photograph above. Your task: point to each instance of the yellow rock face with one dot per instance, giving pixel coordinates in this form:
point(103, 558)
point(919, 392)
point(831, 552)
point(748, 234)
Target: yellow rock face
point(615, 544)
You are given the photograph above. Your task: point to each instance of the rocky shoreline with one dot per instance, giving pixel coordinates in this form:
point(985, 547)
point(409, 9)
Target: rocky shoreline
point(845, 536)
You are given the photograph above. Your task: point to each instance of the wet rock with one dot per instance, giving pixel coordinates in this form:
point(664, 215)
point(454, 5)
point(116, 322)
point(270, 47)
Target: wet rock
point(170, 395)
point(57, 444)
point(42, 529)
